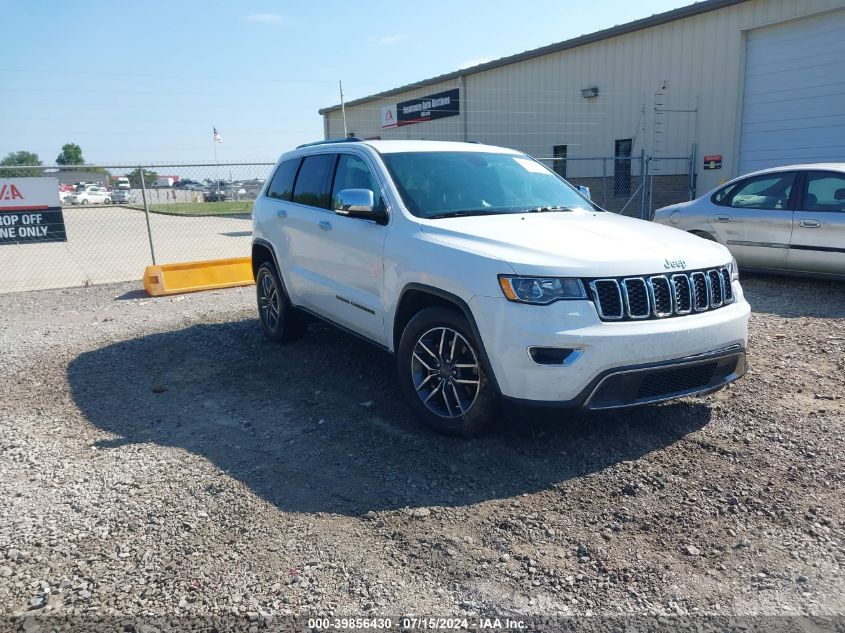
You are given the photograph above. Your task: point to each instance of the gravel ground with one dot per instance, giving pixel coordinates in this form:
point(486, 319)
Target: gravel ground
point(157, 456)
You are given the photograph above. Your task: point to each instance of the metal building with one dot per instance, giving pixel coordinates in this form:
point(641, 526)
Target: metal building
point(695, 96)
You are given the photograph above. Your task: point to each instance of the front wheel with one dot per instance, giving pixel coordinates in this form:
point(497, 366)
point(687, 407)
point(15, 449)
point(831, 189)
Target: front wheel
point(442, 374)
point(280, 321)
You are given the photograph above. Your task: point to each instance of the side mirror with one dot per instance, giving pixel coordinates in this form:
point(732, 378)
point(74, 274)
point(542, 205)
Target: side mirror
point(585, 191)
point(358, 203)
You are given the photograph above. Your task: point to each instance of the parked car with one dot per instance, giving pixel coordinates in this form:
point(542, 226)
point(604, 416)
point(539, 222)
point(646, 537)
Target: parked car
point(164, 182)
point(214, 194)
point(123, 197)
point(121, 183)
point(91, 194)
point(787, 219)
point(491, 278)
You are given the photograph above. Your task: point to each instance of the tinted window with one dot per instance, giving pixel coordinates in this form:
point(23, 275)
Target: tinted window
point(442, 183)
point(825, 192)
point(281, 187)
point(311, 186)
point(353, 173)
point(769, 191)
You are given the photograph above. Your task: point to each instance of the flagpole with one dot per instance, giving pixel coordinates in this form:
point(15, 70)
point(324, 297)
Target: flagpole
point(214, 144)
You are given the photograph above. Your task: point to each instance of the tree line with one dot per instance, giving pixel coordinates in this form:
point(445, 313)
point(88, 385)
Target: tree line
point(71, 155)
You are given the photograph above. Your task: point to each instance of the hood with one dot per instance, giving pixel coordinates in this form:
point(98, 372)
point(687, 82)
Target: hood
point(578, 243)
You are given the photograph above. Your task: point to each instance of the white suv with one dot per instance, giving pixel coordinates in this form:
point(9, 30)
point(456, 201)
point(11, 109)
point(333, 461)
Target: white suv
point(491, 278)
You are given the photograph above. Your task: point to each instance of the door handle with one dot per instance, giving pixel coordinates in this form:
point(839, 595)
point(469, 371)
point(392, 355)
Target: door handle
point(325, 226)
point(723, 218)
point(281, 213)
point(809, 224)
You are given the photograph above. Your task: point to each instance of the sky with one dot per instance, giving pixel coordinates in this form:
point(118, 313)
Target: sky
point(146, 83)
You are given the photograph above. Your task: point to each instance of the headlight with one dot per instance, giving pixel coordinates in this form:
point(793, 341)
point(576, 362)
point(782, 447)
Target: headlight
point(734, 268)
point(541, 290)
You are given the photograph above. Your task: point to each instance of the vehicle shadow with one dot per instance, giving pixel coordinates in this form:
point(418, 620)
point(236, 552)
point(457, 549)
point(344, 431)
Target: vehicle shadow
point(791, 297)
point(317, 425)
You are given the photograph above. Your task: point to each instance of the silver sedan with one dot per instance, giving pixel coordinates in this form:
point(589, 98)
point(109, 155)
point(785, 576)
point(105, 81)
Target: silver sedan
point(785, 219)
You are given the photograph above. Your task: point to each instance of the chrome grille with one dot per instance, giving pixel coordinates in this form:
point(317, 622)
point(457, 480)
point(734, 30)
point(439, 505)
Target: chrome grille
point(661, 296)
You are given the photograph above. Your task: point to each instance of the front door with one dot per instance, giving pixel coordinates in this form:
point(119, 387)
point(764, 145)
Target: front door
point(818, 236)
point(754, 219)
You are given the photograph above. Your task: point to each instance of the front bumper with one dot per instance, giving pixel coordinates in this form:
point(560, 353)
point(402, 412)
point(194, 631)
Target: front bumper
point(616, 364)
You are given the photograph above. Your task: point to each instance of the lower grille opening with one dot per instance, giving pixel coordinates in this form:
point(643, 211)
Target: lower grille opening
point(669, 381)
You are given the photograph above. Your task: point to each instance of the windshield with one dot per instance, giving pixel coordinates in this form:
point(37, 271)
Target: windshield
point(443, 184)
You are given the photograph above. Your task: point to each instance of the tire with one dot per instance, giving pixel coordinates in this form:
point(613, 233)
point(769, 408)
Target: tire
point(463, 401)
point(84, 202)
point(280, 321)
point(107, 201)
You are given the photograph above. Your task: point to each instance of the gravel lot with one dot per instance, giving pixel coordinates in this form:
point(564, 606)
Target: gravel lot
point(157, 456)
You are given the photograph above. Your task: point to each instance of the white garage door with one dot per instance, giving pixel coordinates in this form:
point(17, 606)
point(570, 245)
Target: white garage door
point(793, 108)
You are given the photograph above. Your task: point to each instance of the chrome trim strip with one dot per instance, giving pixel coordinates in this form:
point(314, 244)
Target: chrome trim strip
point(763, 244)
point(630, 314)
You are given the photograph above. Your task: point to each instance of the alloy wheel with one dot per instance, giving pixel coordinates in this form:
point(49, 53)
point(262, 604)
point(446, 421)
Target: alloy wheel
point(269, 301)
point(445, 372)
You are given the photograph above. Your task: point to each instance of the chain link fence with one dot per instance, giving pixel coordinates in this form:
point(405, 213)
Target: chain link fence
point(629, 185)
point(120, 219)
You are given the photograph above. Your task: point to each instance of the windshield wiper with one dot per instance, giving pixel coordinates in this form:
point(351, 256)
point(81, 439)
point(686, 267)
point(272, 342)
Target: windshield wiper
point(546, 209)
point(463, 213)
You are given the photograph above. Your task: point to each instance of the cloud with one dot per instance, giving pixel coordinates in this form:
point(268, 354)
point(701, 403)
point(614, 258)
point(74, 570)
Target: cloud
point(474, 62)
point(266, 18)
point(389, 40)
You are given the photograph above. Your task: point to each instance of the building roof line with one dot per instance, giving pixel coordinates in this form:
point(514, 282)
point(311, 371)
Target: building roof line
point(622, 29)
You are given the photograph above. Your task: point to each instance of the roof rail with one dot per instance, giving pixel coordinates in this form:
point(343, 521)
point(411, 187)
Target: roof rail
point(348, 139)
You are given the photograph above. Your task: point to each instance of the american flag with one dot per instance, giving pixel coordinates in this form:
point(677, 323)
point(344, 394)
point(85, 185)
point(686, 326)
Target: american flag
point(217, 136)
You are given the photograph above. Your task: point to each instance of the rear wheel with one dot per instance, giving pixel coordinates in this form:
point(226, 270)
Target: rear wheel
point(107, 201)
point(442, 374)
point(84, 201)
point(280, 321)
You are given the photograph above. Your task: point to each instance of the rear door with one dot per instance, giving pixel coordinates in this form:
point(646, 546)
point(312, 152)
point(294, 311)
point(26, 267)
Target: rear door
point(754, 219)
point(818, 236)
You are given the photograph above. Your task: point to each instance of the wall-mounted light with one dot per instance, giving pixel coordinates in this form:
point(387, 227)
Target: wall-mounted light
point(590, 93)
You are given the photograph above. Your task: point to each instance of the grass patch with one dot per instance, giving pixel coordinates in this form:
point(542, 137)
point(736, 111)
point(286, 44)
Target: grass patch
point(195, 209)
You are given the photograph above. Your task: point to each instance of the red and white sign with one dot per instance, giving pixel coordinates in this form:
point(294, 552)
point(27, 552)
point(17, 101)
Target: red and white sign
point(30, 211)
point(388, 116)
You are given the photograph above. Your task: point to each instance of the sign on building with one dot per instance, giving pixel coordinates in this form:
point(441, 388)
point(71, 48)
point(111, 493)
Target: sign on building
point(30, 211)
point(428, 108)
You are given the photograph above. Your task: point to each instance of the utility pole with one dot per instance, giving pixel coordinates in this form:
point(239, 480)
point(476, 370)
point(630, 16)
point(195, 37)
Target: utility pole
point(343, 109)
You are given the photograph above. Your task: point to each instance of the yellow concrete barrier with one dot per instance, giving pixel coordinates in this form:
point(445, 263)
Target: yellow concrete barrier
point(171, 279)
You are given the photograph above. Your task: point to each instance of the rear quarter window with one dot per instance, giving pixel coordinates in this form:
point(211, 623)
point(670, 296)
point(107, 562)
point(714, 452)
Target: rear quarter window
point(281, 186)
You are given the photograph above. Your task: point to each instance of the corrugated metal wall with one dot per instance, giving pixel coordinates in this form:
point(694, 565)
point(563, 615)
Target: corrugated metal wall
point(665, 87)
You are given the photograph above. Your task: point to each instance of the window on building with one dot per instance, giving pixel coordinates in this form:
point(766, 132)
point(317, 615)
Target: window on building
point(622, 166)
point(559, 162)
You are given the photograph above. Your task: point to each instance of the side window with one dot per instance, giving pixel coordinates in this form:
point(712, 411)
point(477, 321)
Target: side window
point(353, 173)
point(312, 184)
point(724, 194)
point(825, 192)
point(769, 191)
point(281, 187)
